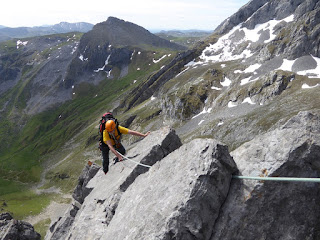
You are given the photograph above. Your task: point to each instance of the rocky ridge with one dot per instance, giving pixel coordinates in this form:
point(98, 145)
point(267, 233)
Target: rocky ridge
point(11, 229)
point(238, 79)
point(294, 40)
point(251, 48)
point(275, 210)
point(190, 193)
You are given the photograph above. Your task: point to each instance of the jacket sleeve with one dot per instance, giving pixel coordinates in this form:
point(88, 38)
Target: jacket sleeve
point(123, 130)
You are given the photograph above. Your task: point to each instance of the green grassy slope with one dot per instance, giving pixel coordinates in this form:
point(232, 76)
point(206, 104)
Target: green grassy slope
point(35, 143)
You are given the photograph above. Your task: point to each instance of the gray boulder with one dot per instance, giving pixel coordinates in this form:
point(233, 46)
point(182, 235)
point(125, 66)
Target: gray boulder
point(179, 198)
point(276, 210)
point(99, 207)
point(11, 229)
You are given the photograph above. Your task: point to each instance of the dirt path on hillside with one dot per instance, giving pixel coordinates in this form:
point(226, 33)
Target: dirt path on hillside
point(52, 212)
point(55, 209)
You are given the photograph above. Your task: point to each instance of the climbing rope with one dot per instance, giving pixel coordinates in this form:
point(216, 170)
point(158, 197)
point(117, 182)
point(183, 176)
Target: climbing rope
point(287, 179)
point(141, 164)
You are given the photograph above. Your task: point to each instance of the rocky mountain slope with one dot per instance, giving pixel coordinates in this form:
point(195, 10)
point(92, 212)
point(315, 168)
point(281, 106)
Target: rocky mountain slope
point(239, 78)
point(52, 88)
point(7, 33)
point(108, 50)
point(189, 193)
point(239, 86)
point(58, 64)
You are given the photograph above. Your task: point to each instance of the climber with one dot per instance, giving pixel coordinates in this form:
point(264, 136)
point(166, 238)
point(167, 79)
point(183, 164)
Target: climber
point(112, 141)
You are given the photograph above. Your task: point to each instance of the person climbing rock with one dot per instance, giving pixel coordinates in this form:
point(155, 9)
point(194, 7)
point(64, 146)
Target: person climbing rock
point(111, 140)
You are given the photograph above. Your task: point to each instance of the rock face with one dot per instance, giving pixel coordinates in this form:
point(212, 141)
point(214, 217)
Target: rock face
point(11, 229)
point(81, 191)
point(276, 210)
point(179, 198)
point(302, 36)
point(188, 191)
point(154, 82)
point(108, 189)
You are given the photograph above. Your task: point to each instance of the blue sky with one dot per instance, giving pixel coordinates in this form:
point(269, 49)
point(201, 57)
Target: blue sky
point(150, 14)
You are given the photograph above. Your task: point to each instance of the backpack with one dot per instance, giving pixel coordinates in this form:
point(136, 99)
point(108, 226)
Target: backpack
point(102, 125)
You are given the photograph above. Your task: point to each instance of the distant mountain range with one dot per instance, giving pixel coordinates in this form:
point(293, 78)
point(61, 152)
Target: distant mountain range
point(7, 33)
point(185, 33)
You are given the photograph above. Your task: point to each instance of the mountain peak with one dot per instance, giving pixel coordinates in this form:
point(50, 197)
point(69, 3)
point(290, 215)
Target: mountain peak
point(122, 33)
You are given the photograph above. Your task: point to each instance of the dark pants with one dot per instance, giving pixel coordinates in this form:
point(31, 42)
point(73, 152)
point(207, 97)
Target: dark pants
point(105, 155)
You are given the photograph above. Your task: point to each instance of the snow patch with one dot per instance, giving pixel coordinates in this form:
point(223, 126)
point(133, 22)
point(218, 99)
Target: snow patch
point(289, 19)
point(312, 73)
point(216, 88)
point(226, 48)
point(200, 122)
point(231, 104)
point(245, 81)
point(252, 68)
point(193, 64)
point(74, 50)
point(132, 54)
point(109, 73)
point(220, 123)
point(82, 58)
point(306, 86)
point(248, 100)
point(105, 64)
point(20, 43)
point(287, 65)
point(156, 61)
point(226, 82)
point(204, 111)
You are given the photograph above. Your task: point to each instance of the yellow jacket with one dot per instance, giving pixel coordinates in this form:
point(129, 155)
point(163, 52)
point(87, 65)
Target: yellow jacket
point(115, 139)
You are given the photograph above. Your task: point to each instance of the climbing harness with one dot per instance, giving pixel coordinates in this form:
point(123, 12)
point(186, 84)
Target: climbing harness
point(286, 179)
point(141, 164)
